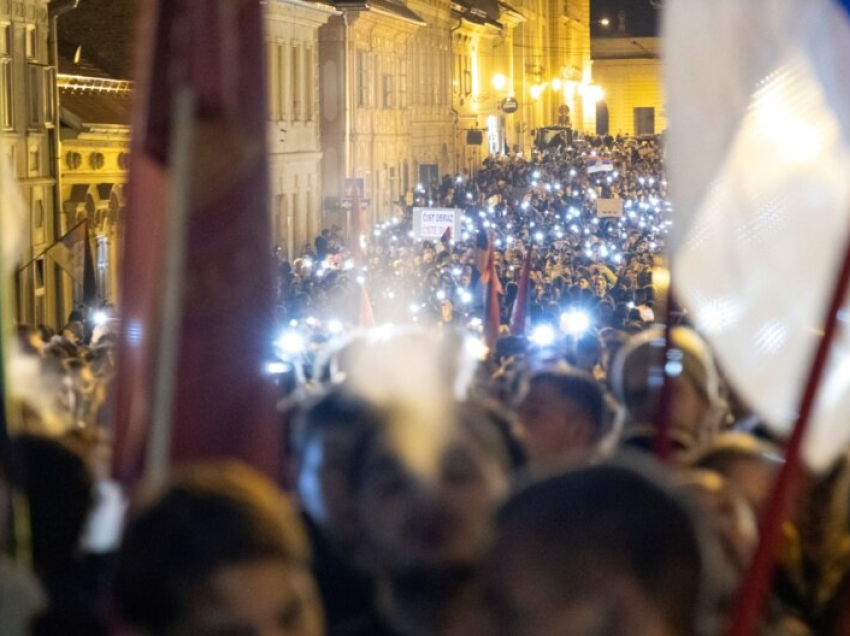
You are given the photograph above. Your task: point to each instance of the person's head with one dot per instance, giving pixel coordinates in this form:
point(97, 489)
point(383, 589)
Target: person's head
point(636, 378)
point(326, 434)
point(561, 416)
point(218, 551)
point(415, 523)
point(601, 551)
point(58, 485)
point(748, 464)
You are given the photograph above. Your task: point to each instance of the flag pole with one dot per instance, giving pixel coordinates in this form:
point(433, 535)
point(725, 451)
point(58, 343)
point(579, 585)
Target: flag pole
point(757, 580)
point(663, 417)
point(162, 411)
point(51, 246)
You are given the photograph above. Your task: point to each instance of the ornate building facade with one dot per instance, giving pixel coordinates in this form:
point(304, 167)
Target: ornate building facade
point(28, 135)
point(294, 139)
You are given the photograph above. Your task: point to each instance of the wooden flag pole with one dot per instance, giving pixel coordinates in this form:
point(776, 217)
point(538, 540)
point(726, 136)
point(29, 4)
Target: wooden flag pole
point(757, 581)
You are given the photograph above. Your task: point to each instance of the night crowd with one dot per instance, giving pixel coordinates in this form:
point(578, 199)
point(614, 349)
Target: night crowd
point(434, 487)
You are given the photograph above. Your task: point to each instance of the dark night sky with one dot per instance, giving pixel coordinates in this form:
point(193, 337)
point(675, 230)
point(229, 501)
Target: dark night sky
point(641, 17)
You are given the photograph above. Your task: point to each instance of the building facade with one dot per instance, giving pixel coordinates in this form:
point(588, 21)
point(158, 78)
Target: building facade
point(294, 139)
point(367, 81)
point(27, 133)
point(628, 69)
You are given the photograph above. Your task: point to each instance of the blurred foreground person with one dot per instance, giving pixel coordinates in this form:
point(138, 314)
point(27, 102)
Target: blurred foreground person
point(561, 417)
point(327, 433)
point(697, 408)
point(601, 551)
point(21, 596)
point(425, 535)
point(219, 552)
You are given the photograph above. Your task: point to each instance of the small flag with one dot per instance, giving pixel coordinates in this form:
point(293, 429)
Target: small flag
point(599, 164)
point(446, 238)
point(519, 314)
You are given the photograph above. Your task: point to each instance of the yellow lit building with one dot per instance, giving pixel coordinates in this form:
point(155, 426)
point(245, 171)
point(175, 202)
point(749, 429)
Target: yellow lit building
point(628, 70)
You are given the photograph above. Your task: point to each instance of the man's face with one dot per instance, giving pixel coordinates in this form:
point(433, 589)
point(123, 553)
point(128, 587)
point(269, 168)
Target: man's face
point(552, 426)
point(414, 522)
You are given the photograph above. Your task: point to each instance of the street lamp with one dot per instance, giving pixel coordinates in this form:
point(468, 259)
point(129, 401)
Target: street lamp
point(605, 22)
point(499, 81)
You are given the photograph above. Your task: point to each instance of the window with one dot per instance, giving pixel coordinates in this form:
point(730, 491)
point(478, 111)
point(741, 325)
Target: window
point(96, 160)
point(295, 81)
point(34, 162)
point(103, 267)
point(309, 82)
point(387, 92)
point(7, 105)
point(31, 42)
point(402, 84)
point(38, 213)
point(39, 96)
point(272, 78)
point(6, 39)
point(363, 83)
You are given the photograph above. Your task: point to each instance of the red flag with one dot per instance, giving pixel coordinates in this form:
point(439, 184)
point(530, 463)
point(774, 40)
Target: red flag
point(519, 314)
point(446, 238)
point(492, 317)
point(367, 318)
point(198, 154)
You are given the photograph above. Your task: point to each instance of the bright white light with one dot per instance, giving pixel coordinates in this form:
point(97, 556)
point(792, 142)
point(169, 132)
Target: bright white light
point(100, 318)
point(465, 297)
point(335, 326)
point(459, 179)
point(290, 343)
point(539, 237)
point(475, 348)
point(536, 174)
point(414, 308)
point(276, 368)
point(457, 271)
point(441, 295)
point(524, 205)
point(293, 323)
point(311, 322)
point(575, 322)
point(543, 335)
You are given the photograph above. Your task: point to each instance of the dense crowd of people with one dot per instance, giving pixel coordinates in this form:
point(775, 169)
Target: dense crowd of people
point(437, 488)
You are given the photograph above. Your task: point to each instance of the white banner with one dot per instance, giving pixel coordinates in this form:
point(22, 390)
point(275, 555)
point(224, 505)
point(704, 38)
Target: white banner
point(609, 208)
point(430, 224)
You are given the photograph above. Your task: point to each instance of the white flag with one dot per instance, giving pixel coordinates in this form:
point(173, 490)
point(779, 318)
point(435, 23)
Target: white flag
point(759, 167)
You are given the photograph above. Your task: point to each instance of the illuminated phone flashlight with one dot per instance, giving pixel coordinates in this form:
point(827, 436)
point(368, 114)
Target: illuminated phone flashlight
point(335, 327)
point(290, 343)
point(459, 179)
point(536, 174)
point(539, 237)
point(572, 173)
point(277, 368)
point(575, 322)
point(414, 308)
point(100, 318)
point(311, 322)
point(457, 271)
point(524, 205)
point(543, 335)
point(441, 295)
point(465, 297)
point(468, 195)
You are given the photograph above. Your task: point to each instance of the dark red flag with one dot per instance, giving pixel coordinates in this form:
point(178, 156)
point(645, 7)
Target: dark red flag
point(519, 314)
point(197, 271)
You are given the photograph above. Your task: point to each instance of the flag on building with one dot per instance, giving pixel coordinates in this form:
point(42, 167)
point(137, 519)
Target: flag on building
point(73, 253)
point(197, 266)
